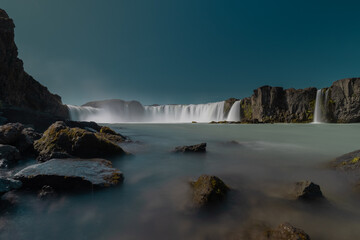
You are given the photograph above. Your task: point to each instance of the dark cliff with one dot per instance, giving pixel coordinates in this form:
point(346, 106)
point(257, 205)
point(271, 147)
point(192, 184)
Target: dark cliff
point(274, 104)
point(19, 92)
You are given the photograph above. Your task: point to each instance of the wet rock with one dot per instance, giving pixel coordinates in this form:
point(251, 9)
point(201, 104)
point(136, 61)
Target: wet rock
point(349, 164)
point(46, 192)
point(61, 140)
point(198, 148)
point(308, 191)
point(70, 174)
point(208, 190)
point(9, 155)
point(8, 184)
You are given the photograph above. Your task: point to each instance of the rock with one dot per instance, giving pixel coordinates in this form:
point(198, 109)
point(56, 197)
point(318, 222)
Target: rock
point(308, 191)
point(344, 100)
point(46, 192)
point(10, 133)
point(262, 231)
point(8, 184)
point(70, 174)
point(274, 104)
point(349, 164)
point(62, 141)
point(17, 88)
point(8, 155)
point(198, 148)
point(208, 190)
point(17, 135)
point(286, 231)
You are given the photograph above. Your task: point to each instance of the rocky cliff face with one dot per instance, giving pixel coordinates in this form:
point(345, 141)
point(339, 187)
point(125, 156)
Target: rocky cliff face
point(343, 102)
point(17, 88)
point(274, 104)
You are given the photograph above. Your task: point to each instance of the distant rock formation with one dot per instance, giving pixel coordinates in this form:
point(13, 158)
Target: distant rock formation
point(19, 92)
point(274, 104)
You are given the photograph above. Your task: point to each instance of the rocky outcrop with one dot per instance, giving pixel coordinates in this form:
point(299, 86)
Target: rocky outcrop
point(129, 110)
point(308, 191)
point(61, 141)
point(17, 88)
point(70, 174)
point(343, 102)
point(274, 104)
point(208, 190)
point(198, 148)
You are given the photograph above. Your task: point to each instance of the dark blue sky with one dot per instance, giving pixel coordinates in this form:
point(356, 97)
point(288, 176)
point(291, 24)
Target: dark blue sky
point(184, 51)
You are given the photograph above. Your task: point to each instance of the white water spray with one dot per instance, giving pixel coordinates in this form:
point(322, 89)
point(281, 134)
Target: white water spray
point(234, 113)
point(155, 114)
point(320, 108)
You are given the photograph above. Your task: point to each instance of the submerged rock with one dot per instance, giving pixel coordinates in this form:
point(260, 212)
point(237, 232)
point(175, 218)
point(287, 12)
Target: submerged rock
point(8, 184)
point(46, 192)
point(208, 190)
point(60, 141)
point(8, 155)
point(198, 148)
point(70, 174)
point(308, 191)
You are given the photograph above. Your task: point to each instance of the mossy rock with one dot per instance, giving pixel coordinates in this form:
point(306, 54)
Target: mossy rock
point(59, 138)
point(208, 190)
point(107, 130)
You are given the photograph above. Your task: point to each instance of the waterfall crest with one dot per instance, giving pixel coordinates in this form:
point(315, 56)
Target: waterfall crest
point(320, 106)
point(234, 113)
point(156, 114)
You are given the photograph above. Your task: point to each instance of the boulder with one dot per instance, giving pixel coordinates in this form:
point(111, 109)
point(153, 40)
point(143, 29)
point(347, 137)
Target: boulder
point(198, 148)
point(70, 174)
point(208, 190)
point(8, 155)
point(262, 231)
point(308, 191)
point(17, 135)
point(62, 141)
point(349, 164)
point(8, 184)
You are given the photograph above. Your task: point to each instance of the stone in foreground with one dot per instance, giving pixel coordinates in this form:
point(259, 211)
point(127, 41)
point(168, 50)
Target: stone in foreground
point(61, 141)
point(8, 184)
point(208, 190)
point(286, 231)
point(198, 148)
point(70, 174)
point(308, 191)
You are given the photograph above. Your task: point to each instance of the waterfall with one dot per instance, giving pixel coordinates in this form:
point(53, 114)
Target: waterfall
point(320, 106)
point(156, 114)
point(234, 113)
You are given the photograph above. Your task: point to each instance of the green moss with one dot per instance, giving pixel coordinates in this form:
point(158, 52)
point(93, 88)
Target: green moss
point(247, 110)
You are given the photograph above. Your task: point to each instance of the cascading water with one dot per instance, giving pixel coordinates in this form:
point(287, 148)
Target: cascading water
point(320, 106)
point(234, 113)
point(156, 114)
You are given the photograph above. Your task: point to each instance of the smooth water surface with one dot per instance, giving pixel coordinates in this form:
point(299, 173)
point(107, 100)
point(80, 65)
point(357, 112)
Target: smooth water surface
point(154, 200)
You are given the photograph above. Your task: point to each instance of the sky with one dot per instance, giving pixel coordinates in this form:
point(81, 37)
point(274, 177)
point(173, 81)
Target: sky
point(184, 51)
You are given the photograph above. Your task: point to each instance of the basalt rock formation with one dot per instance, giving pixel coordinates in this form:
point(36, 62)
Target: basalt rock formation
point(22, 98)
point(274, 104)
